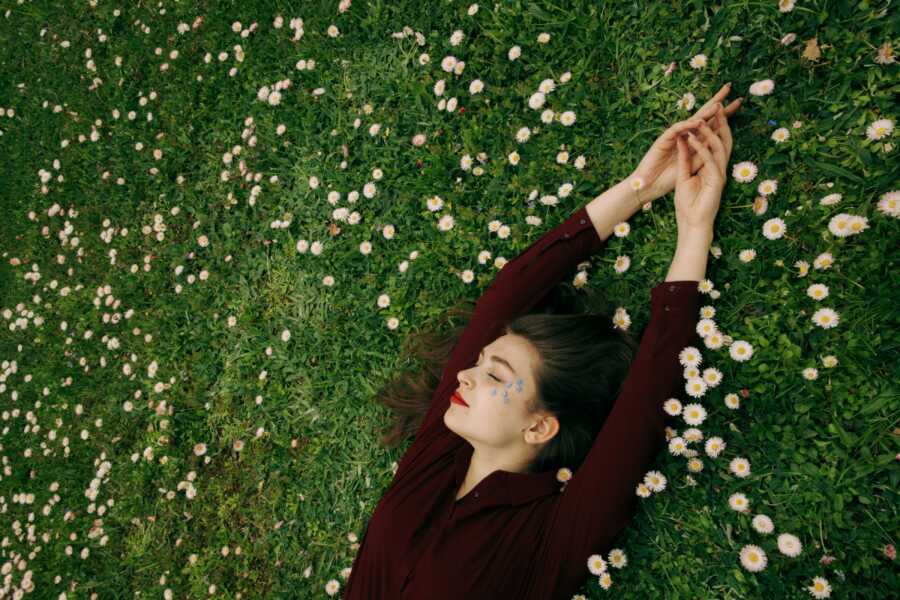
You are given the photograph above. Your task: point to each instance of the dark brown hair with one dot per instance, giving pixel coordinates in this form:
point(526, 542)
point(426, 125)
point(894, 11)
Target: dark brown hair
point(583, 361)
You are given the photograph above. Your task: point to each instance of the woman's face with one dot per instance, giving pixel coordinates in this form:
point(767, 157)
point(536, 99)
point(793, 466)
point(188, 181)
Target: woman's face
point(498, 390)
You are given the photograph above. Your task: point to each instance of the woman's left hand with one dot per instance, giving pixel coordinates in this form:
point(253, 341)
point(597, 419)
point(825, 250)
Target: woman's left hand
point(659, 167)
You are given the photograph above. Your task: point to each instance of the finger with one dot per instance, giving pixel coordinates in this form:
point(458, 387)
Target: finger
point(680, 127)
point(708, 160)
point(717, 147)
point(684, 170)
point(725, 133)
point(733, 107)
point(708, 110)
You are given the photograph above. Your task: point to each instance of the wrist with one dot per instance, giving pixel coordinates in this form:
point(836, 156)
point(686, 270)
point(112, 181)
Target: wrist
point(695, 234)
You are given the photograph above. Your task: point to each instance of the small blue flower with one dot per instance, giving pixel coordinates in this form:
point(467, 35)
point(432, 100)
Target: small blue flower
point(771, 122)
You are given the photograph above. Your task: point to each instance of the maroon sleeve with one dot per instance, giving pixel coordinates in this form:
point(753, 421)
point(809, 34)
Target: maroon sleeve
point(520, 285)
point(601, 499)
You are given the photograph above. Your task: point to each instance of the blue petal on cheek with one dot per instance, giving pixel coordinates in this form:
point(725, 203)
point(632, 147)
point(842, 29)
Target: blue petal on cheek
point(506, 393)
point(520, 384)
point(493, 391)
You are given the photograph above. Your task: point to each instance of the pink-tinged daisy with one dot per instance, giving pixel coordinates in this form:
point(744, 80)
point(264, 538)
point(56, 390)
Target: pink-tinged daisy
point(767, 187)
point(762, 88)
point(763, 524)
point(744, 172)
point(596, 564)
point(753, 558)
point(880, 129)
point(889, 204)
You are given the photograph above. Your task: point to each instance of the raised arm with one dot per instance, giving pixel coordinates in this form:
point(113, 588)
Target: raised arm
point(600, 499)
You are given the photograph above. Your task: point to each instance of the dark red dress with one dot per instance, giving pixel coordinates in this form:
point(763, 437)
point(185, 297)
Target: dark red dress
point(517, 535)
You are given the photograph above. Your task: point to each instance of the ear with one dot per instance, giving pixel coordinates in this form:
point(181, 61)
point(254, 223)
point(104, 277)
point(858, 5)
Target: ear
point(544, 430)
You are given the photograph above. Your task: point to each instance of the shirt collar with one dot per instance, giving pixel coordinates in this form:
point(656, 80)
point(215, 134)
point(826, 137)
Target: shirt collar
point(512, 489)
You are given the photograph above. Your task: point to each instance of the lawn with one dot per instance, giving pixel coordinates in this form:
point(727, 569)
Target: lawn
point(221, 220)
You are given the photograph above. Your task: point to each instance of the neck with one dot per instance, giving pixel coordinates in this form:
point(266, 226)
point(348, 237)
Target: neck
point(482, 464)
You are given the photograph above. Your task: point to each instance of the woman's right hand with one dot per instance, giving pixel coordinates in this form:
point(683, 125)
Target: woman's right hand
point(697, 197)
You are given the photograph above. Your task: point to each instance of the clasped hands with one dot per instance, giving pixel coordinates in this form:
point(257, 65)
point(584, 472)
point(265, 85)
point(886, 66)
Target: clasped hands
point(691, 157)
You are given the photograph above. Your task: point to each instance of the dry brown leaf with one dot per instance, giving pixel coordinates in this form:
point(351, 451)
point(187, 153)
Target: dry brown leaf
point(812, 52)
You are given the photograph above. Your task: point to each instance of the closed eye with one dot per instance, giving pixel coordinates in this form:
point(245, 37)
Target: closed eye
point(495, 379)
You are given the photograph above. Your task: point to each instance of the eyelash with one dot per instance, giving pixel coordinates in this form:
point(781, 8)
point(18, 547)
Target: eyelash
point(495, 379)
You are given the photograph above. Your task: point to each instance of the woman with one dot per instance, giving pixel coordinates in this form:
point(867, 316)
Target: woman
point(528, 458)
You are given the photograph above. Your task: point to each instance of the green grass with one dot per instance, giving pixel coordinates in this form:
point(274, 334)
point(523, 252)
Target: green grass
point(823, 452)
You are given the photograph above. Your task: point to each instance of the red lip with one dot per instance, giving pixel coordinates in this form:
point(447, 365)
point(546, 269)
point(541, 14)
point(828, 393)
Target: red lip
point(458, 399)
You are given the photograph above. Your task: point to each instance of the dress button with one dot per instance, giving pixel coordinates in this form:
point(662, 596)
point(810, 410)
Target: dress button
point(671, 288)
point(476, 494)
point(666, 307)
point(582, 221)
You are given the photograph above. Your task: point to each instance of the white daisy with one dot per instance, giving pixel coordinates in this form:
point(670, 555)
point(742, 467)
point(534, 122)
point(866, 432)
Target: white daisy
point(740, 350)
point(605, 581)
point(830, 199)
point(826, 318)
point(695, 387)
point(774, 228)
point(677, 446)
point(332, 587)
point(712, 376)
point(690, 357)
point(740, 467)
point(789, 544)
point(655, 480)
point(785, 5)
point(618, 558)
point(739, 502)
point(781, 135)
point(694, 414)
point(672, 406)
point(823, 261)
point(714, 446)
point(763, 524)
point(820, 588)
point(692, 434)
point(698, 61)
point(732, 401)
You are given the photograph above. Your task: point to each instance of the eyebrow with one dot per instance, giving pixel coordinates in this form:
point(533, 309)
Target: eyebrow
point(502, 361)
